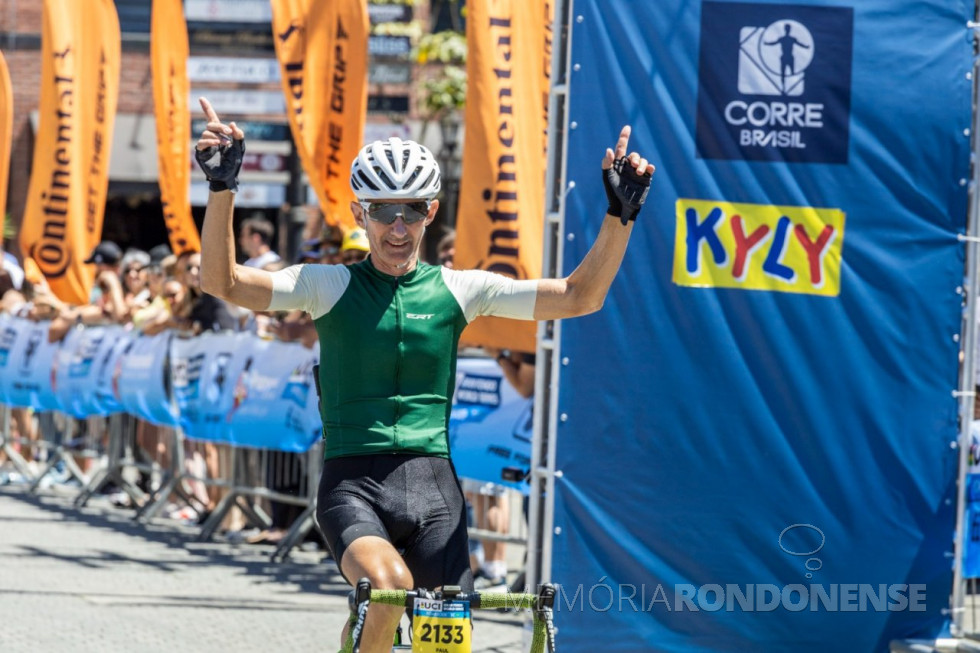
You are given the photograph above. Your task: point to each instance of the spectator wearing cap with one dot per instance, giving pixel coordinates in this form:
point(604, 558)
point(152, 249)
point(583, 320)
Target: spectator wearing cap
point(255, 239)
point(107, 293)
point(158, 253)
point(311, 251)
point(156, 316)
point(156, 272)
point(105, 254)
point(355, 247)
point(107, 302)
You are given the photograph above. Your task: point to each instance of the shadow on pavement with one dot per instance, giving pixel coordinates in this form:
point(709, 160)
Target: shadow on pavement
point(304, 573)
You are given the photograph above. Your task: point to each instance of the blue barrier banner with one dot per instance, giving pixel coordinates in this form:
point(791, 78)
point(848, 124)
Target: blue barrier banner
point(971, 550)
point(27, 362)
point(141, 379)
point(10, 328)
point(274, 402)
point(204, 370)
point(490, 425)
point(106, 382)
point(756, 429)
point(84, 363)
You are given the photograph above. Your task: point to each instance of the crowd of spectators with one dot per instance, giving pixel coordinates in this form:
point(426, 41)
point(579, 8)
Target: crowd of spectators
point(154, 291)
point(157, 290)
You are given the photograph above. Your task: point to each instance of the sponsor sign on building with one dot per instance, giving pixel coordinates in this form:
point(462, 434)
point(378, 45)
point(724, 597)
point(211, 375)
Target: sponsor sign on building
point(383, 45)
point(258, 11)
point(232, 69)
point(239, 102)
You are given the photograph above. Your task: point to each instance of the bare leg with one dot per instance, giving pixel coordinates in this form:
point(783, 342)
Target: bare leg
point(194, 465)
point(476, 555)
point(24, 422)
point(498, 520)
point(377, 560)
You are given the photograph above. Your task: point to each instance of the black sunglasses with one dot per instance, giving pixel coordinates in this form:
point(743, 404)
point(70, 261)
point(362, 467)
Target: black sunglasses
point(387, 213)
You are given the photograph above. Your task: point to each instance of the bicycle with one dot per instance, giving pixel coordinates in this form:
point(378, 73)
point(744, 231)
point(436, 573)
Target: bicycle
point(440, 618)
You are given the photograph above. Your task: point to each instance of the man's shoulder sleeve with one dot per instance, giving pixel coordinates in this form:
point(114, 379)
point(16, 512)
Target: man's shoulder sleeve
point(479, 292)
point(311, 288)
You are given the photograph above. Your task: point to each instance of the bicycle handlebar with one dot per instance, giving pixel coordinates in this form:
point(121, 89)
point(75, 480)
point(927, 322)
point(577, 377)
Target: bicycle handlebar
point(478, 601)
point(540, 604)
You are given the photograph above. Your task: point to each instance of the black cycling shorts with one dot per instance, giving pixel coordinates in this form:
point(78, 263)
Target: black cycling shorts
point(414, 502)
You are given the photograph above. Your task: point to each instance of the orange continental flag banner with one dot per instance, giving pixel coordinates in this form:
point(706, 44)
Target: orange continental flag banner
point(322, 49)
point(6, 135)
point(168, 56)
point(501, 209)
point(66, 197)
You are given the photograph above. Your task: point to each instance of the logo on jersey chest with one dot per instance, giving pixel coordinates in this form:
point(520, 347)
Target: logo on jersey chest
point(419, 316)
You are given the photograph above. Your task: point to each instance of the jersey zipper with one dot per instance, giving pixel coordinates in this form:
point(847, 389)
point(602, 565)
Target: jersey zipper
point(400, 332)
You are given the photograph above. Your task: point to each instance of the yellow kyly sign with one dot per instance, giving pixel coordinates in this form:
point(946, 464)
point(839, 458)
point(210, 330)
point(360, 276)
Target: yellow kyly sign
point(794, 249)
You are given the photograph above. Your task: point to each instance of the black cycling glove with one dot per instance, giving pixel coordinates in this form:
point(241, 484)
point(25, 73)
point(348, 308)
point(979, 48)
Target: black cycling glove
point(221, 165)
point(625, 190)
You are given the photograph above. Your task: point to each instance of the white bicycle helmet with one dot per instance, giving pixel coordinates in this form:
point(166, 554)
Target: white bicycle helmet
point(394, 169)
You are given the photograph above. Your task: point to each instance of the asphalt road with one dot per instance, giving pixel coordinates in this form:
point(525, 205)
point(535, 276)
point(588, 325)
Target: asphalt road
point(93, 580)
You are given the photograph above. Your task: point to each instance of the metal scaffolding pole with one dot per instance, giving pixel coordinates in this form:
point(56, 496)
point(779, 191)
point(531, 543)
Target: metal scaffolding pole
point(968, 372)
point(544, 443)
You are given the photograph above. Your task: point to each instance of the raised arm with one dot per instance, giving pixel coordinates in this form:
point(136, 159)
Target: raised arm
point(219, 151)
point(626, 179)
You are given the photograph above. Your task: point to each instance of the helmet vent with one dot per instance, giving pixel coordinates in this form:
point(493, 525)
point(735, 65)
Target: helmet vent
point(364, 178)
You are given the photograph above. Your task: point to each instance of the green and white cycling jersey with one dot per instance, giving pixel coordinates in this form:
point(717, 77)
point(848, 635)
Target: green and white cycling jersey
point(388, 347)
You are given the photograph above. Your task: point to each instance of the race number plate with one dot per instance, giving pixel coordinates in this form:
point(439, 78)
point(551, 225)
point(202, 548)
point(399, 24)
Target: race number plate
point(441, 627)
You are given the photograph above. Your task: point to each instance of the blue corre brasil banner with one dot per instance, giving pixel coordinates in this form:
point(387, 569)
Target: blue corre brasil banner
point(755, 433)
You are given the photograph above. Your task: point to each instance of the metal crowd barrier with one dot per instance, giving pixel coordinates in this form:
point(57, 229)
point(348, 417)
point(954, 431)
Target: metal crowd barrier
point(253, 473)
point(62, 444)
point(256, 474)
point(60, 440)
point(514, 532)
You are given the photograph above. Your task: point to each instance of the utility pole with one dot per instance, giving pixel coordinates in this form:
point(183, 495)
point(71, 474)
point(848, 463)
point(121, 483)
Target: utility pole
point(293, 219)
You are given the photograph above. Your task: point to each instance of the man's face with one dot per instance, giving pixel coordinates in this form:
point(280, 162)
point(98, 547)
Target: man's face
point(395, 246)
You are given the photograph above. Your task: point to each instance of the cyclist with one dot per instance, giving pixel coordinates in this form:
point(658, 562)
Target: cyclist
point(389, 503)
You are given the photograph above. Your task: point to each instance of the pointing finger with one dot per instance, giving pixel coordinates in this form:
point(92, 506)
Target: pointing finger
point(624, 139)
point(209, 110)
